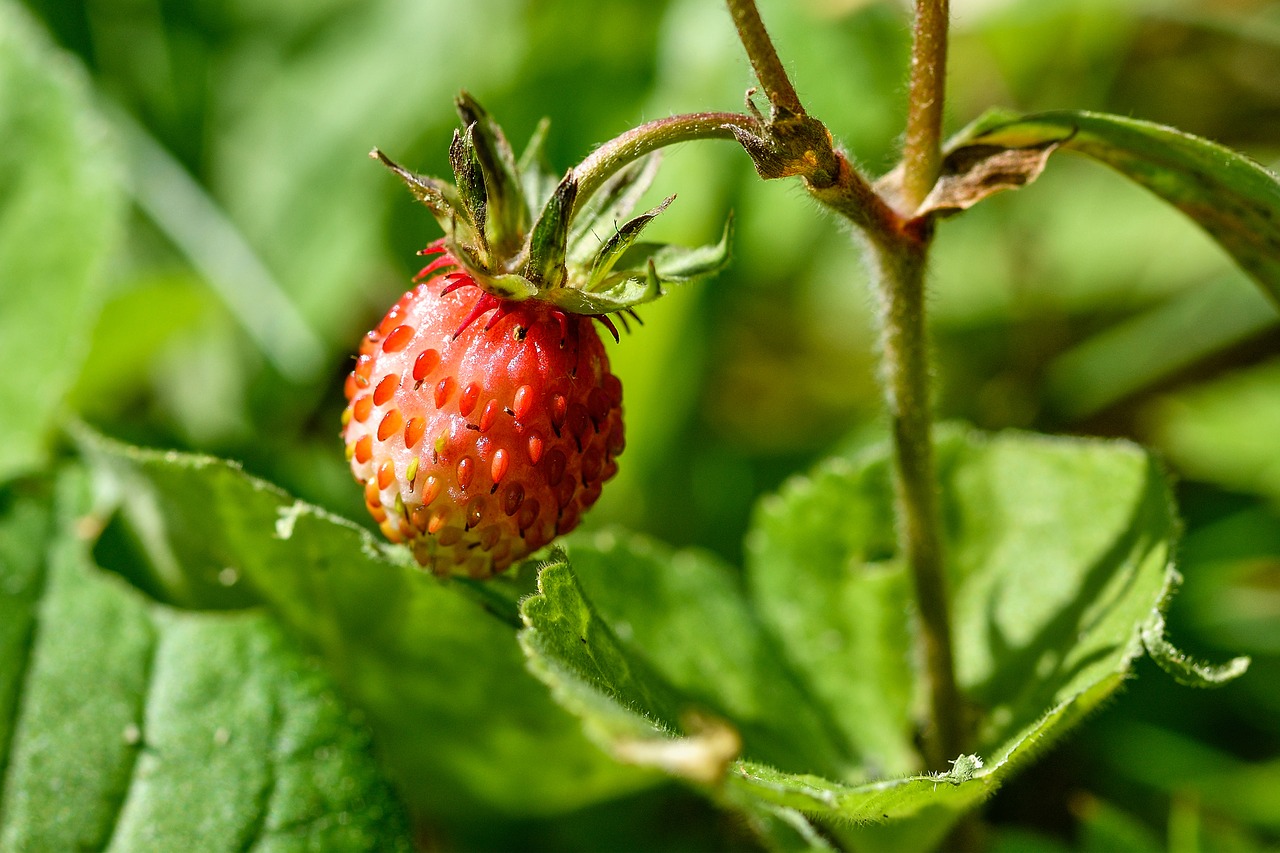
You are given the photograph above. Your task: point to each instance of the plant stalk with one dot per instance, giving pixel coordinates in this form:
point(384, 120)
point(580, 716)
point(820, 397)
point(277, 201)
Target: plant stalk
point(900, 246)
point(764, 57)
point(649, 137)
point(922, 148)
point(901, 268)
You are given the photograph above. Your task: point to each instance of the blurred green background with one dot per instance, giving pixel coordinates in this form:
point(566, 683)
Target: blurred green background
point(261, 243)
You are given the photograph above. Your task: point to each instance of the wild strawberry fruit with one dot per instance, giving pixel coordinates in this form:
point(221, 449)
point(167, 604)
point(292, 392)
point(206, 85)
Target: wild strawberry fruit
point(482, 418)
point(477, 449)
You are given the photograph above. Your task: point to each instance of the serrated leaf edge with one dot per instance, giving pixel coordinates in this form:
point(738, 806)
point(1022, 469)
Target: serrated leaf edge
point(1183, 668)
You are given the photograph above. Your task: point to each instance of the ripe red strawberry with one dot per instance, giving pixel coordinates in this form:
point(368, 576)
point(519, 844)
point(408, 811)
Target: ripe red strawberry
point(478, 449)
point(478, 442)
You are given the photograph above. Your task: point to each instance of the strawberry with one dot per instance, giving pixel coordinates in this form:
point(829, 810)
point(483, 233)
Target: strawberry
point(478, 442)
point(478, 448)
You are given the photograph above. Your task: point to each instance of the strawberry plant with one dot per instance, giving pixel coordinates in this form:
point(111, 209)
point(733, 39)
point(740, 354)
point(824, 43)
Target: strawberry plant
point(879, 651)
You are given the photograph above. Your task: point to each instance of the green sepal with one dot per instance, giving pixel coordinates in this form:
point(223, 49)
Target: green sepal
point(511, 286)
point(682, 264)
point(503, 285)
point(625, 291)
point(440, 198)
point(508, 214)
point(469, 180)
point(617, 245)
point(648, 267)
point(535, 176)
point(616, 198)
point(521, 233)
point(546, 264)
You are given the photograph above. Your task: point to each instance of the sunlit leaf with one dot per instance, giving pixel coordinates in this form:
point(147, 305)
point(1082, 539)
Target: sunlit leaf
point(131, 726)
point(1059, 558)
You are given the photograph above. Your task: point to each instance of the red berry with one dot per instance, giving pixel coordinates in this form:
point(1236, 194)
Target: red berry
point(480, 428)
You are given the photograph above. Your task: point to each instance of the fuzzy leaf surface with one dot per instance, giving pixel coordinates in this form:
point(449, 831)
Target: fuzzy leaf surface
point(128, 725)
point(60, 211)
point(1059, 558)
point(439, 675)
point(1233, 198)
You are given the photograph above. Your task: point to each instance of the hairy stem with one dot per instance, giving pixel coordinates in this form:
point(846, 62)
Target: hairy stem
point(764, 57)
point(901, 267)
point(900, 248)
point(922, 149)
point(649, 137)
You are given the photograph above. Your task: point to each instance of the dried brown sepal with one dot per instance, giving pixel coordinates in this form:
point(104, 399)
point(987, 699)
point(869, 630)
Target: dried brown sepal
point(972, 173)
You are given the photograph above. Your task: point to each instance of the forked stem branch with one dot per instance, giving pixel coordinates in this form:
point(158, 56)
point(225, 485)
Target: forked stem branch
point(899, 245)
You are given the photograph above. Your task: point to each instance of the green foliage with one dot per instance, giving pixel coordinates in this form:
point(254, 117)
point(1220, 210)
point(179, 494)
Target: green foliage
point(127, 725)
point(261, 244)
point(426, 662)
point(812, 666)
point(1231, 197)
point(60, 211)
point(1223, 431)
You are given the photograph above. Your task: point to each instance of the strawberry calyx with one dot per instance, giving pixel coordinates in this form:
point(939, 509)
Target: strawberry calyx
point(515, 231)
point(488, 302)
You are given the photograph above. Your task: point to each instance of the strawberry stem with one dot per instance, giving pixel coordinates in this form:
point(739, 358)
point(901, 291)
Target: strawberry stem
point(922, 147)
point(764, 57)
point(793, 144)
point(901, 255)
point(651, 136)
point(900, 263)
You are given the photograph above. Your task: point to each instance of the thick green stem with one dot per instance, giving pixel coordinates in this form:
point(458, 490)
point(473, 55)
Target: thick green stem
point(796, 144)
point(764, 57)
point(649, 137)
point(922, 148)
point(900, 264)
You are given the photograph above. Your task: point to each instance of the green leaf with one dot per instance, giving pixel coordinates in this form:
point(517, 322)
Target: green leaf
point(1185, 670)
point(132, 726)
point(1230, 196)
point(669, 603)
point(60, 212)
point(455, 714)
point(1058, 554)
point(823, 575)
point(580, 657)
